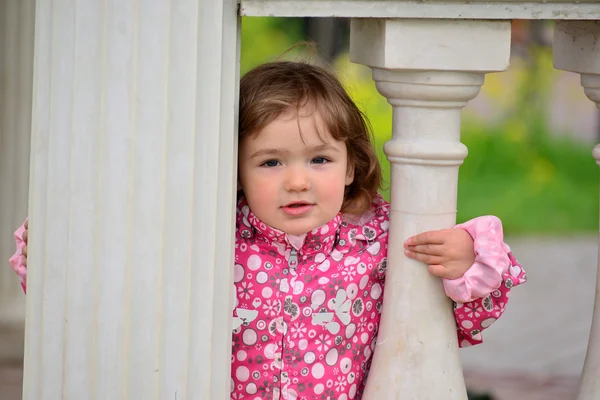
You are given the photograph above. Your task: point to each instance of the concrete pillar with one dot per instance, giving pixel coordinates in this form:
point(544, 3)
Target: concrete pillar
point(132, 200)
point(576, 49)
point(428, 70)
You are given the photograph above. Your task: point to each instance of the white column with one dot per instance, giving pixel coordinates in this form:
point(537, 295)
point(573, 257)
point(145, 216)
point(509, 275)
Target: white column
point(576, 49)
point(132, 200)
point(428, 70)
point(16, 79)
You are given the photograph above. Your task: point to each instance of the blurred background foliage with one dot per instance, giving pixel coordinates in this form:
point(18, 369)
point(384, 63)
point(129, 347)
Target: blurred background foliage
point(536, 179)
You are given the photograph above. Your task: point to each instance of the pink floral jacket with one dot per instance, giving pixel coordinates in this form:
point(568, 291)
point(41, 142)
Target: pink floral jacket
point(307, 308)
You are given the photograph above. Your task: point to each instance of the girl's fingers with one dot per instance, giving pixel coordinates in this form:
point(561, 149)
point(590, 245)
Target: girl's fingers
point(431, 249)
point(424, 258)
point(25, 235)
point(26, 224)
point(24, 251)
point(430, 237)
point(437, 270)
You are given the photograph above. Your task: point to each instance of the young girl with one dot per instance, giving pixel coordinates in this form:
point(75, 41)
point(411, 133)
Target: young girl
point(311, 243)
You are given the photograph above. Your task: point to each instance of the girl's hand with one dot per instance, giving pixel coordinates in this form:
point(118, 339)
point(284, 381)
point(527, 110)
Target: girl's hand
point(449, 253)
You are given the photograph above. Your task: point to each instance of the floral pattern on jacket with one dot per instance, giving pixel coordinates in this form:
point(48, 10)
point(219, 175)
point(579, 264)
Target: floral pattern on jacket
point(307, 309)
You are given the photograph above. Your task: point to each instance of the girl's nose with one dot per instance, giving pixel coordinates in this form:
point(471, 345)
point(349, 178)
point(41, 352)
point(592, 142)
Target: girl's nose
point(297, 180)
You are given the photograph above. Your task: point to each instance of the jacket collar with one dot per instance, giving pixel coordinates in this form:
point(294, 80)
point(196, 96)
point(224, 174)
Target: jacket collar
point(321, 239)
point(343, 233)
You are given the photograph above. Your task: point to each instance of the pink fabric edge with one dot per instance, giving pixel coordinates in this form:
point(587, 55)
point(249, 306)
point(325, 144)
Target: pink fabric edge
point(491, 261)
point(17, 261)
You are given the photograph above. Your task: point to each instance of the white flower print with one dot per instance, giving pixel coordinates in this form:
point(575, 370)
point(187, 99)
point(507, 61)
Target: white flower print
point(348, 273)
point(340, 383)
point(362, 325)
point(245, 290)
point(473, 309)
point(271, 307)
point(298, 330)
point(323, 342)
point(499, 308)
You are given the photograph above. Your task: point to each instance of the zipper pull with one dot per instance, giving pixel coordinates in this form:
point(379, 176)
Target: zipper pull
point(293, 260)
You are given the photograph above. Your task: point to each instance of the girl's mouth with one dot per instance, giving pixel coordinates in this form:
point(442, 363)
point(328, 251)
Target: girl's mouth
point(300, 204)
point(297, 208)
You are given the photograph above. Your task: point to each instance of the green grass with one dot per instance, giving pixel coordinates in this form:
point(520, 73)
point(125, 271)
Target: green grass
point(541, 184)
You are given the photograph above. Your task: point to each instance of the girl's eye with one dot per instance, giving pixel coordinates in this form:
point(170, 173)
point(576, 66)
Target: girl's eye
point(320, 160)
point(271, 163)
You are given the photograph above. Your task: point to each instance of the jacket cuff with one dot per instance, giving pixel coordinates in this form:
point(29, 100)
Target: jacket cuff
point(491, 261)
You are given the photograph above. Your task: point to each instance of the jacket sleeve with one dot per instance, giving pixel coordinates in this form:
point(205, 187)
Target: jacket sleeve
point(480, 296)
point(17, 261)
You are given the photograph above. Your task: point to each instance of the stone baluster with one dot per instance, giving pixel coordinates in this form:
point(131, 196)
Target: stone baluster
point(428, 70)
point(577, 49)
point(133, 169)
point(16, 80)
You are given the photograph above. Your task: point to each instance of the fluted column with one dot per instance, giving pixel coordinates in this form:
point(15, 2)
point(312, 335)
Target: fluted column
point(132, 200)
point(428, 70)
point(16, 79)
point(576, 49)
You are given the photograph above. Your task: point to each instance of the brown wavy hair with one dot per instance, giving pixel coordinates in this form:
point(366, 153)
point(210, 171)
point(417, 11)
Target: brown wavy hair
point(276, 88)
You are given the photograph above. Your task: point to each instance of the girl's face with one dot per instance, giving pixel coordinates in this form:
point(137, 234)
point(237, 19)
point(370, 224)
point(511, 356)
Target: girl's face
point(292, 182)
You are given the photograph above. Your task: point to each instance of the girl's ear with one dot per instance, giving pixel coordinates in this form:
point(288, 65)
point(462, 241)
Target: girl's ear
point(350, 174)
